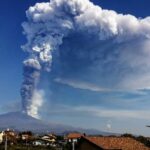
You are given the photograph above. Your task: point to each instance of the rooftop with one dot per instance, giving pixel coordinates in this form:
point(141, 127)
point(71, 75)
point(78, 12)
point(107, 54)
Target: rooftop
point(74, 135)
point(120, 143)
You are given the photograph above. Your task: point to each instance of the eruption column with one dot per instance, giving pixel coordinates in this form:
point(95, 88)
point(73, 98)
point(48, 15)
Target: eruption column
point(31, 78)
point(49, 23)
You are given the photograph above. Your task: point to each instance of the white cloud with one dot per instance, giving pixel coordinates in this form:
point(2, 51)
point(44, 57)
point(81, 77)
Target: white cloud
point(95, 87)
point(33, 63)
point(108, 126)
point(81, 85)
point(36, 103)
point(113, 113)
point(100, 112)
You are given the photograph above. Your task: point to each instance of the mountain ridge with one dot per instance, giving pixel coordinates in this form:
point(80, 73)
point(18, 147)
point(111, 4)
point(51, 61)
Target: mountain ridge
point(23, 122)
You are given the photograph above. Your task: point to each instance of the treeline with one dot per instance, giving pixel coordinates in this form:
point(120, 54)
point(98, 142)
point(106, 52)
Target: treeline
point(23, 147)
point(142, 139)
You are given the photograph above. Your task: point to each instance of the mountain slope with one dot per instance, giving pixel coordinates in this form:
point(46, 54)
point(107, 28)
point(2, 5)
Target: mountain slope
point(22, 122)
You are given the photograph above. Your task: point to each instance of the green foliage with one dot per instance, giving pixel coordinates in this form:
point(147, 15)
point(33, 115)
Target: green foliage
point(26, 132)
point(59, 138)
point(68, 146)
point(142, 139)
point(21, 147)
point(128, 135)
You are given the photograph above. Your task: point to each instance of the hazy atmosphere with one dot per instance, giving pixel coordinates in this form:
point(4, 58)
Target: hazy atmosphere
point(84, 63)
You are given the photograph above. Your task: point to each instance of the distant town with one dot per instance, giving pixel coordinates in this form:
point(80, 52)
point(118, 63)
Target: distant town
point(27, 140)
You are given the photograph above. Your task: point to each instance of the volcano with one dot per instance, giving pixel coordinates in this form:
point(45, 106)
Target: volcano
point(22, 122)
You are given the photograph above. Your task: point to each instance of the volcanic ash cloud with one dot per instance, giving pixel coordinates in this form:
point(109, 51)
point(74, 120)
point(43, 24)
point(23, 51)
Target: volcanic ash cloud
point(49, 23)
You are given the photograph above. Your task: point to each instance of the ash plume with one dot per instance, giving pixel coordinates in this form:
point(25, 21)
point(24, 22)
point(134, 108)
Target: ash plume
point(31, 78)
point(49, 23)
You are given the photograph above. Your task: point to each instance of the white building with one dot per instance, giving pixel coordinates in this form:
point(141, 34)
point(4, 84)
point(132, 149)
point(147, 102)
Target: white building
point(1, 136)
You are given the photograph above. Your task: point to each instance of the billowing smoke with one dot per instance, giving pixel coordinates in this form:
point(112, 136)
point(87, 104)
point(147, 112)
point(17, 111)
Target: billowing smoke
point(50, 23)
point(36, 103)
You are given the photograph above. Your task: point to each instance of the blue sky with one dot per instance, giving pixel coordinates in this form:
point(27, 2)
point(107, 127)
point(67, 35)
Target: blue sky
point(76, 91)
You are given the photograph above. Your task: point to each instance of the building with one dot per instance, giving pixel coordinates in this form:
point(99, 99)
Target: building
point(26, 136)
point(74, 137)
point(39, 142)
point(50, 138)
point(110, 143)
point(1, 136)
point(10, 132)
point(11, 136)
